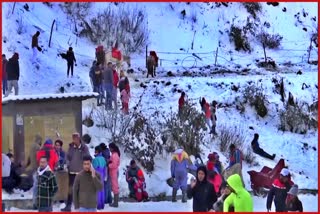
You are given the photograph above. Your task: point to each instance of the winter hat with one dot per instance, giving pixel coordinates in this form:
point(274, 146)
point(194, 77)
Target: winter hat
point(294, 190)
point(103, 146)
point(216, 156)
point(140, 174)
point(15, 56)
point(284, 172)
point(211, 157)
point(132, 162)
point(48, 142)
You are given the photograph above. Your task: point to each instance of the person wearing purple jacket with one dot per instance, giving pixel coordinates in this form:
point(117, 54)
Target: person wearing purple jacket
point(107, 182)
point(100, 165)
point(179, 172)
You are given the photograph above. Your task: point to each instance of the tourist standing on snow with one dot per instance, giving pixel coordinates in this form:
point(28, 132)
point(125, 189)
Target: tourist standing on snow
point(107, 181)
point(240, 199)
point(213, 176)
point(100, 165)
point(213, 109)
point(47, 186)
point(13, 74)
point(179, 172)
point(87, 184)
point(115, 86)
point(202, 192)
point(91, 73)
point(71, 59)
point(108, 85)
point(35, 46)
point(235, 163)
point(293, 204)
point(4, 74)
point(98, 83)
point(181, 103)
point(125, 97)
point(256, 148)
point(131, 175)
point(77, 150)
point(50, 153)
point(205, 107)
point(278, 192)
point(114, 164)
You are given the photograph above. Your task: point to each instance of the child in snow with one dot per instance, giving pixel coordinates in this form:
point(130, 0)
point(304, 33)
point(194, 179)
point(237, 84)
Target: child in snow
point(125, 96)
point(293, 203)
point(140, 187)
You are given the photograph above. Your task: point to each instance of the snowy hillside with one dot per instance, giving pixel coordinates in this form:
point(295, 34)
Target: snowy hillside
point(171, 37)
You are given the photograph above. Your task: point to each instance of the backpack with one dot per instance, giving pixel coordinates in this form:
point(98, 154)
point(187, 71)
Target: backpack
point(63, 56)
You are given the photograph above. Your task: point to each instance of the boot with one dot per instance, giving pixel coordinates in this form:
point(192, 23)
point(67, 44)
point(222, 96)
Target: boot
point(115, 201)
point(184, 196)
point(273, 156)
point(68, 206)
point(174, 195)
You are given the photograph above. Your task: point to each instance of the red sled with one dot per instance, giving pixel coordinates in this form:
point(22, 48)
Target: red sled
point(265, 177)
point(116, 54)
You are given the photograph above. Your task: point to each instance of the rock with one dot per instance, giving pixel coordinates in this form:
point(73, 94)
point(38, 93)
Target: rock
point(299, 72)
point(284, 9)
point(170, 74)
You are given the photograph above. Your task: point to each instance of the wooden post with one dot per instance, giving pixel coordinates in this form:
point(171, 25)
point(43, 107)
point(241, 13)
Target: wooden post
point(161, 62)
point(146, 55)
point(215, 60)
point(310, 47)
point(264, 50)
point(14, 5)
point(51, 32)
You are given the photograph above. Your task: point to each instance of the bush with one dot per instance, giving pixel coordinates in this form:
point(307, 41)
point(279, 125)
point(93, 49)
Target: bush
point(185, 130)
point(248, 155)
point(255, 96)
point(297, 119)
point(253, 8)
point(231, 135)
point(240, 40)
point(271, 41)
point(125, 25)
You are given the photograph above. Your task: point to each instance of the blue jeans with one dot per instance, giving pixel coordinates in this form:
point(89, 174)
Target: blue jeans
point(82, 209)
point(107, 191)
point(99, 90)
point(108, 88)
point(4, 86)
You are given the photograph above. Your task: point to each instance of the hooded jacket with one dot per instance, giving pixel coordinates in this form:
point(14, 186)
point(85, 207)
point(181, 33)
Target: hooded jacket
point(278, 194)
point(241, 199)
point(203, 193)
point(13, 69)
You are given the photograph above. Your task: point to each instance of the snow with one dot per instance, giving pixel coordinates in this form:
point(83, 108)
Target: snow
point(168, 34)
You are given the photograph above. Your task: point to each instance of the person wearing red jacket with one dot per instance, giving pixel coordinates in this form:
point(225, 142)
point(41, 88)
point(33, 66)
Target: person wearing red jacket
point(205, 107)
point(115, 86)
point(50, 153)
point(181, 103)
point(140, 187)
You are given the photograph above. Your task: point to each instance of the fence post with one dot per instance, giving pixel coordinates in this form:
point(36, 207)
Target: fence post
point(14, 5)
point(146, 54)
point(215, 61)
point(310, 47)
point(51, 32)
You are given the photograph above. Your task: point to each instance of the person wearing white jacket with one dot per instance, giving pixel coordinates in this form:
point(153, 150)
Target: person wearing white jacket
point(6, 166)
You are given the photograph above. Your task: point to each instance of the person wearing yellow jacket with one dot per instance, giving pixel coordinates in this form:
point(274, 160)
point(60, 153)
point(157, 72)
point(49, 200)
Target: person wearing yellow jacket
point(239, 198)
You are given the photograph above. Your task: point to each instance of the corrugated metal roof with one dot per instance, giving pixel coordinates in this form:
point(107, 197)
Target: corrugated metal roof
point(84, 95)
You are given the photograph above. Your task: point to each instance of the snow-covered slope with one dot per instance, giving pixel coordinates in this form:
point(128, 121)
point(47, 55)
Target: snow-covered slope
point(170, 34)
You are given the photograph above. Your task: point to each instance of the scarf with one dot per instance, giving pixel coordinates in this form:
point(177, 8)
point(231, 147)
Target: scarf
point(40, 172)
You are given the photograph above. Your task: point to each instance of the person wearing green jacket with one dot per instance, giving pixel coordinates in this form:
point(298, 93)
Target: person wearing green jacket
point(239, 198)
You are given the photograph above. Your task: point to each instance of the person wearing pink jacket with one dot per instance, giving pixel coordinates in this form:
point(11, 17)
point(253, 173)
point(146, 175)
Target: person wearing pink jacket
point(125, 96)
point(114, 164)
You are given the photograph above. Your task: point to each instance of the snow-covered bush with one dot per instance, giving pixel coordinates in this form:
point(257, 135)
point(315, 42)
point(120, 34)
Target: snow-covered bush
point(240, 40)
point(253, 8)
point(184, 131)
point(298, 118)
point(125, 25)
point(271, 41)
point(231, 135)
point(255, 96)
point(248, 155)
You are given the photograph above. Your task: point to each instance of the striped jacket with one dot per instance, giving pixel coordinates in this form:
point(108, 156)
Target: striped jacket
point(47, 187)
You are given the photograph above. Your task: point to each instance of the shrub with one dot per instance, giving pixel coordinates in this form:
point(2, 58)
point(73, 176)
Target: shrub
point(253, 8)
point(255, 96)
point(248, 155)
point(240, 40)
point(231, 135)
point(298, 118)
point(269, 41)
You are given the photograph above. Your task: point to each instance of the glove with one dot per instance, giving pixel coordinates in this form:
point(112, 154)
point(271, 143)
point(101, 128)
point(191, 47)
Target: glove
point(39, 49)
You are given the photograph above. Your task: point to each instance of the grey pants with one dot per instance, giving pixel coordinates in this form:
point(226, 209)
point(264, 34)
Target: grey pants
point(12, 84)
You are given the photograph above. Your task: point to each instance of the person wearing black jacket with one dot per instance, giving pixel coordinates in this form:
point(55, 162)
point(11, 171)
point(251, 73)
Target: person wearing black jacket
point(13, 74)
point(256, 148)
point(70, 59)
point(202, 192)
